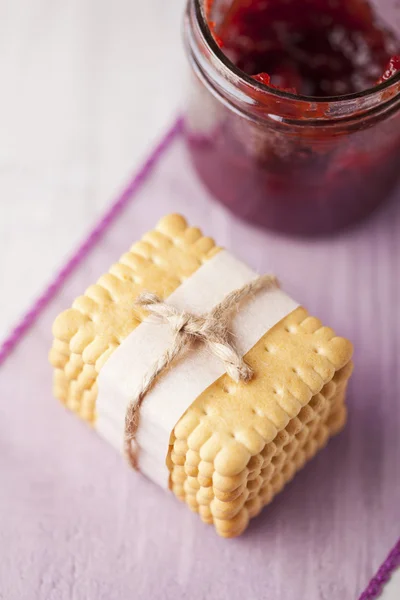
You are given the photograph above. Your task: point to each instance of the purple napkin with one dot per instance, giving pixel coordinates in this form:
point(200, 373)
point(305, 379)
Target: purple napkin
point(76, 523)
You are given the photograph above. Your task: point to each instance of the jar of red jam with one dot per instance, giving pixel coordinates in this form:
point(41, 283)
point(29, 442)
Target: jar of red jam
point(293, 112)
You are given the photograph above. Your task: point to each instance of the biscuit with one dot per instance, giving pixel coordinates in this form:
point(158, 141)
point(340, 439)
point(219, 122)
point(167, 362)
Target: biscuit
point(238, 444)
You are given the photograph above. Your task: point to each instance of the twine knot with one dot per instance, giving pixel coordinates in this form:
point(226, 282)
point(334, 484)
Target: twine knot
point(211, 329)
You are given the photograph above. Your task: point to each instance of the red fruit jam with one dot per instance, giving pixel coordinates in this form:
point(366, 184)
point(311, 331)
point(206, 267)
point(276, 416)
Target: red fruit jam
point(285, 122)
point(308, 47)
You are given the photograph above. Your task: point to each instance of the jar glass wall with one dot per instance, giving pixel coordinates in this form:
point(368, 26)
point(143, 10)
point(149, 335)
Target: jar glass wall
point(291, 163)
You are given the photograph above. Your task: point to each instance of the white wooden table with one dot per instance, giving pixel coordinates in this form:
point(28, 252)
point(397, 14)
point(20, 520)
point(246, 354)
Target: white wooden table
point(87, 87)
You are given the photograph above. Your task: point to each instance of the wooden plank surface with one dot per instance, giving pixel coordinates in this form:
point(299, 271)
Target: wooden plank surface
point(85, 92)
point(87, 87)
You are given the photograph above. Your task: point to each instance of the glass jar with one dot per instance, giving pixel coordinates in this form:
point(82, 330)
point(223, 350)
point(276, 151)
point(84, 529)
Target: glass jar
point(294, 164)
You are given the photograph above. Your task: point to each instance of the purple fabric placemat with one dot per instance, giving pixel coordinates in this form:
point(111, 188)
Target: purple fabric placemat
point(76, 523)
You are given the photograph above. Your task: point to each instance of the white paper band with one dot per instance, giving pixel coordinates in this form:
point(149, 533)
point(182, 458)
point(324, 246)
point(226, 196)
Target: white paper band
point(179, 387)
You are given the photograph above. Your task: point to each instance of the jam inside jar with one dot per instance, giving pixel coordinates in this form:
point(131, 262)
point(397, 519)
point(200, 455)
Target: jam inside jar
point(293, 115)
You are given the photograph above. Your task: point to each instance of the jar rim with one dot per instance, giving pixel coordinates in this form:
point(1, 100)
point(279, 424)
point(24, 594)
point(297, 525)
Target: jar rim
point(389, 85)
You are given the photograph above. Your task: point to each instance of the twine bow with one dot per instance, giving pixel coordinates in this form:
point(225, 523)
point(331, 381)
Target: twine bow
point(211, 329)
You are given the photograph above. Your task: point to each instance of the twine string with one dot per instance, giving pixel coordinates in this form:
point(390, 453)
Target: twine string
point(211, 329)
